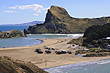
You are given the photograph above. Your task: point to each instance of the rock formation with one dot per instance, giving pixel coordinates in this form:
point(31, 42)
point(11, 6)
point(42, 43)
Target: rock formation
point(11, 34)
point(59, 21)
point(10, 65)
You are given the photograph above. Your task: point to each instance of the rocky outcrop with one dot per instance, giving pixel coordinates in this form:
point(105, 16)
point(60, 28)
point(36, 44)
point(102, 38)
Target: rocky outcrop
point(12, 33)
point(59, 21)
point(10, 65)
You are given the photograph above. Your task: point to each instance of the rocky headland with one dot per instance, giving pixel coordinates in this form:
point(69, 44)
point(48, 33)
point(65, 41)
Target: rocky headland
point(11, 34)
point(59, 21)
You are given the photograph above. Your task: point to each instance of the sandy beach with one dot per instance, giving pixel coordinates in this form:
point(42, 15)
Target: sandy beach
point(44, 60)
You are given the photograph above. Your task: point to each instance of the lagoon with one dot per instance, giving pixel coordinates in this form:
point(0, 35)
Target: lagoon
point(32, 39)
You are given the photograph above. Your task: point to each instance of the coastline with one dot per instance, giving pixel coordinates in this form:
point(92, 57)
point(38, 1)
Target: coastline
point(44, 60)
point(83, 67)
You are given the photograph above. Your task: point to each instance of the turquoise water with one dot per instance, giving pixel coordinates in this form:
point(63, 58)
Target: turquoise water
point(98, 66)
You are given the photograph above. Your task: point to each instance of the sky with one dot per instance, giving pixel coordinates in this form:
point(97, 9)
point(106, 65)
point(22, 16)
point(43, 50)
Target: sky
point(23, 11)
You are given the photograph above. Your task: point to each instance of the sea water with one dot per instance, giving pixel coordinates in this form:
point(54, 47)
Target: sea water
point(31, 39)
point(98, 66)
point(11, 27)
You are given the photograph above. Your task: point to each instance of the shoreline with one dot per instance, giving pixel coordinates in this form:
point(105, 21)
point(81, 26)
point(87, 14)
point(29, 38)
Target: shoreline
point(25, 45)
point(27, 53)
point(78, 63)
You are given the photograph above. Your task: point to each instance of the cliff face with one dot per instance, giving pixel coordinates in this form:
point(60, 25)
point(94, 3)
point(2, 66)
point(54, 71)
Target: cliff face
point(10, 65)
point(59, 21)
point(12, 34)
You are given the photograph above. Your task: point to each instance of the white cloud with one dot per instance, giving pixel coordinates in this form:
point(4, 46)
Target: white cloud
point(9, 11)
point(36, 7)
point(13, 7)
point(35, 14)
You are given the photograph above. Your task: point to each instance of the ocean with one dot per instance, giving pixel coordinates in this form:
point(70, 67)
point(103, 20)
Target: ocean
point(98, 66)
point(16, 27)
point(31, 39)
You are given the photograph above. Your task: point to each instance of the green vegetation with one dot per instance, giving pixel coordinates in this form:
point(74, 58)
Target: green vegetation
point(15, 34)
point(77, 41)
point(96, 55)
point(95, 48)
point(94, 35)
point(12, 34)
point(97, 32)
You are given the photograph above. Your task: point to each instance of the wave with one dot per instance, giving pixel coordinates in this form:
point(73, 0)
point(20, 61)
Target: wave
point(77, 66)
point(54, 34)
point(64, 34)
point(31, 38)
point(75, 35)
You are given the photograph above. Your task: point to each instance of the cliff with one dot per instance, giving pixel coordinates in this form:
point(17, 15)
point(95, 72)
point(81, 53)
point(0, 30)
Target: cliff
point(59, 21)
point(10, 65)
point(11, 34)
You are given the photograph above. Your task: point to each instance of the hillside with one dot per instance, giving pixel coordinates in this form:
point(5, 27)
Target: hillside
point(97, 32)
point(10, 65)
point(59, 21)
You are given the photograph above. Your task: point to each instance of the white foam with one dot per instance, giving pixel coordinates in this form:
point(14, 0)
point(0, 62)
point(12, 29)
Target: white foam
point(54, 34)
point(65, 34)
point(31, 38)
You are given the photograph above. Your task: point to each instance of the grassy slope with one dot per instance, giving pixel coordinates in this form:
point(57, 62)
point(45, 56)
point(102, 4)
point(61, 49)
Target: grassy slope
point(10, 65)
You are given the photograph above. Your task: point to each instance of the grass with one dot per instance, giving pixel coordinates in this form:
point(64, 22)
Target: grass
point(77, 41)
point(95, 48)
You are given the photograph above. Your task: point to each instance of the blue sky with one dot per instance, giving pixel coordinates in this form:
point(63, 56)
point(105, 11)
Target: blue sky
point(22, 11)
